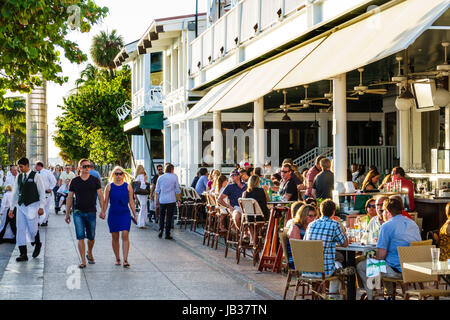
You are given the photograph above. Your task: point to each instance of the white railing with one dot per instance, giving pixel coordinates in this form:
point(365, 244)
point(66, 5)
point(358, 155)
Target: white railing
point(174, 102)
point(147, 101)
point(241, 23)
point(380, 156)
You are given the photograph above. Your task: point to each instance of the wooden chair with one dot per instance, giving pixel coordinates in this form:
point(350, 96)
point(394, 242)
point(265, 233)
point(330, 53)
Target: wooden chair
point(252, 218)
point(196, 206)
point(428, 242)
point(308, 257)
point(221, 214)
point(414, 215)
point(290, 271)
point(186, 206)
point(210, 217)
point(419, 254)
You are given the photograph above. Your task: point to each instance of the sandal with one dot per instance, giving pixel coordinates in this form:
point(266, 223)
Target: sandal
point(126, 264)
point(117, 262)
point(90, 260)
point(82, 266)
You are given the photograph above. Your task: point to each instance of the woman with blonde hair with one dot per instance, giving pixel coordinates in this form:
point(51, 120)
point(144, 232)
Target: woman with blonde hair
point(303, 217)
point(119, 194)
point(212, 177)
point(141, 176)
point(219, 184)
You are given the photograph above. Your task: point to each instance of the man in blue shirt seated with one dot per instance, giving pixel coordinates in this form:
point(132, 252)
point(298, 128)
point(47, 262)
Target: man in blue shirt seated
point(202, 182)
point(233, 191)
point(399, 231)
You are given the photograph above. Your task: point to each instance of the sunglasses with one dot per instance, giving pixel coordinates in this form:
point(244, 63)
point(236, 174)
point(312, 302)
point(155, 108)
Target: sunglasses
point(285, 171)
point(371, 206)
point(85, 166)
point(118, 173)
point(234, 175)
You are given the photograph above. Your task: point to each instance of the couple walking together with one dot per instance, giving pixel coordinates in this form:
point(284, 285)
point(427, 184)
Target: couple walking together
point(119, 196)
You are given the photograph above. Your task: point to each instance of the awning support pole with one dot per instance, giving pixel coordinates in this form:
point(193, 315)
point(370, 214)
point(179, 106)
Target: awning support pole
point(131, 152)
point(147, 142)
point(218, 140)
point(340, 128)
point(258, 133)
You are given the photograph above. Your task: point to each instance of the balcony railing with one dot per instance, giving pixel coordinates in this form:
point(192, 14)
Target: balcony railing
point(147, 101)
point(174, 102)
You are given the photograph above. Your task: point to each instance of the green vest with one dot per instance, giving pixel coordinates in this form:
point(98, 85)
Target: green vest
point(28, 191)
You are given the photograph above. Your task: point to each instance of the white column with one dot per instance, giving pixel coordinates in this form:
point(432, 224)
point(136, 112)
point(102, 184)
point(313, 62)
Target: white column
point(166, 72)
point(404, 139)
point(175, 145)
point(258, 133)
point(340, 128)
point(416, 143)
point(218, 140)
point(174, 69)
point(322, 118)
point(167, 144)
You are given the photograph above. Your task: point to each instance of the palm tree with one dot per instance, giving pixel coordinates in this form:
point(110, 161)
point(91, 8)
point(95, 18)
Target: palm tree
point(12, 122)
point(104, 49)
point(90, 75)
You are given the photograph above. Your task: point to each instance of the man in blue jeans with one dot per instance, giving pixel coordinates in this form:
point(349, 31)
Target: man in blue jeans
point(86, 189)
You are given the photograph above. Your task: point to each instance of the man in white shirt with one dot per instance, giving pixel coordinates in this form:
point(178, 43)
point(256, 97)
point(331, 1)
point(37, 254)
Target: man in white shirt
point(49, 183)
point(29, 197)
point(11, 176)
point(67, 174)
point(2, 174)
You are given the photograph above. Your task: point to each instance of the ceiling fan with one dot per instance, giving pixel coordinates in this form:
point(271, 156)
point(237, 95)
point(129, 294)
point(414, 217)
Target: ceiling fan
point(442, 70)
point(329, 95)
point(362, 89)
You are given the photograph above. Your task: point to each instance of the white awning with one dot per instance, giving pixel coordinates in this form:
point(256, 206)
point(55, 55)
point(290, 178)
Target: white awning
point(372, 39)
point(207, 102)
point(260, 80)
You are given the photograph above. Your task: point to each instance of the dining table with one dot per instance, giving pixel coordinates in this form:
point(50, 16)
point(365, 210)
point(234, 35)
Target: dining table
point(272, 253)
point(441, 268)
point(350, 252)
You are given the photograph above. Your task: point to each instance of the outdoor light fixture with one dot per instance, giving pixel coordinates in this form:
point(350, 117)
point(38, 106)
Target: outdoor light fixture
point(286, 117)
point(441, 97)
point(405, 100)
point(315, 124)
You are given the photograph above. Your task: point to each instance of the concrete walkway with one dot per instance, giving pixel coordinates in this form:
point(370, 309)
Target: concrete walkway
point(160, 269)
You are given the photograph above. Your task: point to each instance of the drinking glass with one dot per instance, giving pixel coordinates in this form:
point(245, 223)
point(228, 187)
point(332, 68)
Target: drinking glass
point(435, 252)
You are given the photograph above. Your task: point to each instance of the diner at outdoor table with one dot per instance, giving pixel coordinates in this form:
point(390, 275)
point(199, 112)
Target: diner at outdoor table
point(360, 229)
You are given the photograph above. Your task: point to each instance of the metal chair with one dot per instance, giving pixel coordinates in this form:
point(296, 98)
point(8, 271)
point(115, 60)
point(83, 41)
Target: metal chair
point(308, 258)
point(419, 254)
point(252, 218)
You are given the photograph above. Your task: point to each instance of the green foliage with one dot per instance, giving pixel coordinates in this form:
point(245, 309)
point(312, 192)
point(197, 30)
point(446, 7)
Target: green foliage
point(105, 48)
point(32, 33)
point(12, 130)
point(89, 126)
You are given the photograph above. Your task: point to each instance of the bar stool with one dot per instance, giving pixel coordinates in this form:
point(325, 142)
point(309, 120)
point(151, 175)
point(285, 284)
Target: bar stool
point(196, 204)
point(210, 217)
point(221, 214)
point(252, 218)
point(187, 202)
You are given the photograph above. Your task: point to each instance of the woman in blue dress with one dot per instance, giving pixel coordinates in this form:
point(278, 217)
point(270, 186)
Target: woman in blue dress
point(119, 195)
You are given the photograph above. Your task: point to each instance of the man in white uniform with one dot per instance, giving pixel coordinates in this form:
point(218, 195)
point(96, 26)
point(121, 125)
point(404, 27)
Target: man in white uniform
point(49, 183)
point(2, 174)
point(29, 197)
point(11, 176)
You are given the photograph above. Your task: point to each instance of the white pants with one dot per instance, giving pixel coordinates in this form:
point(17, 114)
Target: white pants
point(143, 212)
point(27, 223)
point(48, 200)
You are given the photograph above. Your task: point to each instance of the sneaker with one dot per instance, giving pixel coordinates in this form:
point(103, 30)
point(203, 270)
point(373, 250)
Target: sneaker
point(168, 237)
point(160, 234)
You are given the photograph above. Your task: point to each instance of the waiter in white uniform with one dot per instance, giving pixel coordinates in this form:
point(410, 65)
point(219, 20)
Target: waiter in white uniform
point(29, 197)
point(11, 176)
point(49, 183)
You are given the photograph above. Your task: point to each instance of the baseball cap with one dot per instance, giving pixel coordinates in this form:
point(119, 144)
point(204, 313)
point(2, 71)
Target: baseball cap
point(234, 173)
point(246, 164)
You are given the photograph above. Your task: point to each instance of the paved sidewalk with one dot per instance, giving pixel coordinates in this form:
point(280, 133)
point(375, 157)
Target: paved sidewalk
point(160, 269)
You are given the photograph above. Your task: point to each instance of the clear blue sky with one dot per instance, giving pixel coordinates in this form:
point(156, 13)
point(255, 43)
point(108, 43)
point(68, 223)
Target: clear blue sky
point(130, 18)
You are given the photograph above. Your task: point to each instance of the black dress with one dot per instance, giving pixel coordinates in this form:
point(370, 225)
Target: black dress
point(260, 196)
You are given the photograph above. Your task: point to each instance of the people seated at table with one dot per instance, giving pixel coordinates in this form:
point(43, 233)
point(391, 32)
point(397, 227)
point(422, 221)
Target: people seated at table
point(397, 232)
point(294, 208)
point(373, 228)
point(303, 217)
point(387, 179)
point(371, 181)
point(404, 213)
point(263, 182)
point(212, 177)
point(268, 170)
point(398, 175)
point(219, 184)
point(324, 182)
point(444, 236)
point(244, 175)
point(359, 175)
point(312, 173)
point(288, 186)
point(233, 192)
point(350, 186)
point(331, 233)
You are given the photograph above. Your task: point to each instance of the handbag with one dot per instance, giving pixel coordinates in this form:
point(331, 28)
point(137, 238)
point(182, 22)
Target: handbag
point(139, 191)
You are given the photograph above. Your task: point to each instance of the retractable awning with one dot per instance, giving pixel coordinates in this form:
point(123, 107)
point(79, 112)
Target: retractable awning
point(149, 120)
point(205, 104)
point(384, 33)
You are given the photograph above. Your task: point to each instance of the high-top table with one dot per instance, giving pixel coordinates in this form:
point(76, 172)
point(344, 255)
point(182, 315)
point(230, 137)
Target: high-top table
point(272, 253)
point(350, 258)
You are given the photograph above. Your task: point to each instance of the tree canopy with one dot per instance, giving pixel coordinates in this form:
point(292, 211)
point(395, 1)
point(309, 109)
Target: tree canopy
point(105, 46)
point(12, 130)
point(89, 126)
point(32, 33)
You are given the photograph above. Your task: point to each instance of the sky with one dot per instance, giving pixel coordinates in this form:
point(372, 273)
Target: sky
point(130, 18)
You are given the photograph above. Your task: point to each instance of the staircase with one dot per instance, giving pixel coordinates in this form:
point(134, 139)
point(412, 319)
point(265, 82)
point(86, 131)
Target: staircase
point(380, 156)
